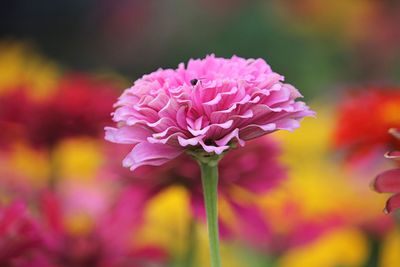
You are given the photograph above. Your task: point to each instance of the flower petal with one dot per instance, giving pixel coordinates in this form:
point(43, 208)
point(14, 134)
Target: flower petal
point(387, 181)
point(393, 155)
point(150, 154)
point(126, 135)
point(395, 132)
point(216, 149)
point(227, 138)
point(191, 141)
point(203, 131)
point(393, 203)
point(254, 130)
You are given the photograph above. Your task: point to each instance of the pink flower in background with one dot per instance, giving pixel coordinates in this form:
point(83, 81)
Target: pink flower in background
point(389, 181)
point(21, 240)
point(108, 241)
point(46, 239)
point(211, 104)
point(254, 169)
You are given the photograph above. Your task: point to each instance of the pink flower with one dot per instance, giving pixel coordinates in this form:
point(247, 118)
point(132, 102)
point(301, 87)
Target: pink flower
point(21, 240)
point(45, 240)
point(107, 243)
point(389, 181)
point(211, 104)
point(254, 169)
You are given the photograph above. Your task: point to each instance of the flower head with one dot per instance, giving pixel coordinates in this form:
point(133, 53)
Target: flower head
point(364, 119)
point(56, 235)
point(102, 239)
point(21, 241)
point(210, 104)
point(389, 181)
point(70, 111)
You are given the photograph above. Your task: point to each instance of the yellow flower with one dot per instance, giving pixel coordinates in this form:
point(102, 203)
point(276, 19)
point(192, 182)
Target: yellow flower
point(26, 163)
point(167, 223)
point(20, 66)
point(346, 247)
point(317, 185)
point(167, 219)
point(78, 158)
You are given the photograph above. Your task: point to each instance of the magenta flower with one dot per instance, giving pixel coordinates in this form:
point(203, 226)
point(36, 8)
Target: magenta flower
point(107, 243)
point(389, 181)
point(211, 104)
point(21, 239)
point(254, 169)
point(44, 240)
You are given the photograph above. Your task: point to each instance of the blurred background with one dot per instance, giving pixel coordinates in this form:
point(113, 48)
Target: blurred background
point(65, 199)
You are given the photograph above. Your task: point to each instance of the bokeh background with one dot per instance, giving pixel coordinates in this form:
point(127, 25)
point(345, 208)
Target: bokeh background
point(65, 199)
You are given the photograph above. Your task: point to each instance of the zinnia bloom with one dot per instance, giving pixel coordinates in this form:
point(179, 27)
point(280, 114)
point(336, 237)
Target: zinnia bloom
point(389, 181)
point(364, 119)
point(49, 239)
point(21, 241)
point(70, 111)
point(14, 109)
point(209, 105)
point(104, 240)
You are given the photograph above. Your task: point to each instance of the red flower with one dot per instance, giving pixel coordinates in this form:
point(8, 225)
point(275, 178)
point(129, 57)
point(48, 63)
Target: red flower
point(81, 105)
point(14, 107)
point(364, 119)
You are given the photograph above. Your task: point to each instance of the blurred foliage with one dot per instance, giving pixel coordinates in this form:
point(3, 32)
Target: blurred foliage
point(318, 46)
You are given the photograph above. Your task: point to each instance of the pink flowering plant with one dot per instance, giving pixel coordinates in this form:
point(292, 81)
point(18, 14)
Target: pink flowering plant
point(203, 109)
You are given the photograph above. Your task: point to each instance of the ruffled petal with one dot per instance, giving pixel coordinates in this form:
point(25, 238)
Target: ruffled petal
point(126, 135)
point(253, 131)
point(388, 181)
point(189, 141)
point(227, 138)
point(225, 125)
point(213, 149)
point(150, 154)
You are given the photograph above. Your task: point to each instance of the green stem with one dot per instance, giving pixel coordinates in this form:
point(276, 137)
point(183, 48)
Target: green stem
point(209, 177)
